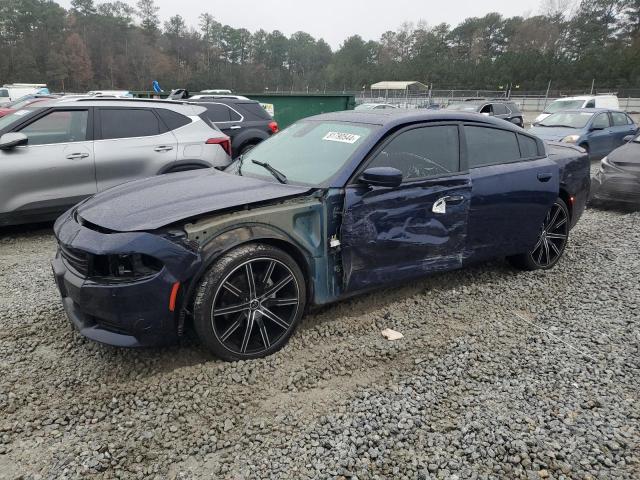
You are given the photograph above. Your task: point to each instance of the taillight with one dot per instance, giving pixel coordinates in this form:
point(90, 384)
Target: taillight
point(225, 143)
point(274, 127)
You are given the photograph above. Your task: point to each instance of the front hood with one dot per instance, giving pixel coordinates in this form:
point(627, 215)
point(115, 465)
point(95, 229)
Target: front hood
point(553, 133)
point(158, 201)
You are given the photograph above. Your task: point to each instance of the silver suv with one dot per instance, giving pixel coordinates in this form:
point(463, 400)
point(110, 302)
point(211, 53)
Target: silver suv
point(57, 153)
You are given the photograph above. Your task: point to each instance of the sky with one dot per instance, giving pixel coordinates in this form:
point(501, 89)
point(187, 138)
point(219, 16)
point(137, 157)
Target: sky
point(335, 20)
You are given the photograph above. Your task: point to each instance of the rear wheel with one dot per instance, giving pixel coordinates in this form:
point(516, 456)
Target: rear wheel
point(551, 242)
point(249, 303)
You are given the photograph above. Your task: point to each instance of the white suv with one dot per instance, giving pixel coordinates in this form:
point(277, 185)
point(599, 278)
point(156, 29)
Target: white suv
point(57, 153)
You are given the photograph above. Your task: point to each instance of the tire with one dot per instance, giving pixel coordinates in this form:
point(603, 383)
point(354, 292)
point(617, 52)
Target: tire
point(551, 243)
point(237, 319)
point(245, 149)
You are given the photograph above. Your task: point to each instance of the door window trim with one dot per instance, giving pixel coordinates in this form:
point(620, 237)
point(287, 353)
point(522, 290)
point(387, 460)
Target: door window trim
point(90, 124)
point(387, 139)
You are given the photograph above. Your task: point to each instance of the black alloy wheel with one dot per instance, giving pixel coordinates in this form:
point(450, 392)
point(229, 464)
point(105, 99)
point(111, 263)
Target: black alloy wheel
point(551, 243)
point(250, 302)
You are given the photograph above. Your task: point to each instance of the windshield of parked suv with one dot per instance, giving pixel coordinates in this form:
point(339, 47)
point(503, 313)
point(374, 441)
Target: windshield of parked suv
point(14, 116)
point(559, 105)
point(567, 119)
point(308, 152)
point(464, 107)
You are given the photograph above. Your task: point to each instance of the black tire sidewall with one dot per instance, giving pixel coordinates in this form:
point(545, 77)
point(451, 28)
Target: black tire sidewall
point(208, 286)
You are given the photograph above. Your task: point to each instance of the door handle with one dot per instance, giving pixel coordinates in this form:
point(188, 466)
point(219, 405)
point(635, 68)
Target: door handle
point(235, 127)
point(440, 205)
point(544, 177)
point(74, 156)
point(163, 148)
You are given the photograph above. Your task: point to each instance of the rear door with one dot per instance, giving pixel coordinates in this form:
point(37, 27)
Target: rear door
point(55, 169)
point(500, 110)
point(131, 143)
point(391, 234)
point(514, 185)
point(621, 128)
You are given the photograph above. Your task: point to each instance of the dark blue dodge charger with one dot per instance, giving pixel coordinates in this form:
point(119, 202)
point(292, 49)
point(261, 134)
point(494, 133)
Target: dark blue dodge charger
point(334, 205)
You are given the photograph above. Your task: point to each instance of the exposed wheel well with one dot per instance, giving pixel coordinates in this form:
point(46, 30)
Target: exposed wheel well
point(566, 198)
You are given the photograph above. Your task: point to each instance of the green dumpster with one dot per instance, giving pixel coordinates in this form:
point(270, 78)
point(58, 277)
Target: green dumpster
point(287, 109)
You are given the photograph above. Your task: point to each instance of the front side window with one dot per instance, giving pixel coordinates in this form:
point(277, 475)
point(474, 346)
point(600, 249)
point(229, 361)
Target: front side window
point(490, 146)
point(128, 123)
point(422, 152)
point(4, 93)
point(487, 109)
point(590, 104)
point(601, 121)
point(58, 126)
point(307, 152)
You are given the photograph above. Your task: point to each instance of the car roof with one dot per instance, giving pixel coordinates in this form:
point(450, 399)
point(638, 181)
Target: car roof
point(588, 110)
point(397, 117)
point(182, 107)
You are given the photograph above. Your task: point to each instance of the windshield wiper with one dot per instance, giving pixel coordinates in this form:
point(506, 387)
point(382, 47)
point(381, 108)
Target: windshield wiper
point(281, 177)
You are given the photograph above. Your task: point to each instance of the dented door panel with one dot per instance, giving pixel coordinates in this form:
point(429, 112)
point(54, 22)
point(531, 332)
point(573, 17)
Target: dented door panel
point(391, 234)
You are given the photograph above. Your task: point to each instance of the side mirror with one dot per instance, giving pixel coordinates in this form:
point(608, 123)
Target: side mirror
point(628, 138)
point(382, 177)
point(11, 140)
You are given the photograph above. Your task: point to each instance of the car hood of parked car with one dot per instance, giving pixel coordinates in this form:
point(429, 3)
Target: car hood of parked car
point(628, 155)
point(155, 202)
point(554, 133)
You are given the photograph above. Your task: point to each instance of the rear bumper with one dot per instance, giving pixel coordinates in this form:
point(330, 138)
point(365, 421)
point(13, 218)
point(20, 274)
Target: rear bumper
point(131, 313)
point(616, 187)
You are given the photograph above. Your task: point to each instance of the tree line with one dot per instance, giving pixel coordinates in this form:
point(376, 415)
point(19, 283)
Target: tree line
point(116, 45)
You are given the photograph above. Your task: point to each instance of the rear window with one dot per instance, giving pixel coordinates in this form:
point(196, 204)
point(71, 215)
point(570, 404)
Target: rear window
point(254, 109)
point(172, 119)
point(129, 123)
point(528, 146)
point(490, 146)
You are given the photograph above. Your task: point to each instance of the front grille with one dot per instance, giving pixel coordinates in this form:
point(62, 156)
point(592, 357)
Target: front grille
point(76, 259)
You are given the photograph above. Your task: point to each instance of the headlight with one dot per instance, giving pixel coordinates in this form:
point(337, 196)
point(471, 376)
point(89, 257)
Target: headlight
point(126, 266)
point(570, 139)
point(606, 165)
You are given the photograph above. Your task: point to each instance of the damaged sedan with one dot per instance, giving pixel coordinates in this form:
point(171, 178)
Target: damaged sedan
point(618, 179)
point(334, 205)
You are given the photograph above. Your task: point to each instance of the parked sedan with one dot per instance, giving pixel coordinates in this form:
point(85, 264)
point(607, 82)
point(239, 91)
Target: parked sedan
point(597, 130)
point(54, 154)
point(333, 205)
point(618, 180)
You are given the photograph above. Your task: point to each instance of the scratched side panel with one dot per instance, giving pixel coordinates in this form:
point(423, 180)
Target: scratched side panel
point(390, 235)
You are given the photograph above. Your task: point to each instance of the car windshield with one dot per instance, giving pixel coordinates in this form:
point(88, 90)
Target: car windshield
point(567, 119)
point(559, 105)
point(18, 104)
point(465, 107)
point(14, 116)
point(308, 152)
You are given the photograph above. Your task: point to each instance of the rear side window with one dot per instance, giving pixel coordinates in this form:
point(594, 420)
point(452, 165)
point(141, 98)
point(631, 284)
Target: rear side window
point(255, 110)
point(217, 112)
point(490, 146)
point(619, 119)
point(172, 119)
point(422, 152)
point(528, 146)
point(499, 109)
point(129, 123)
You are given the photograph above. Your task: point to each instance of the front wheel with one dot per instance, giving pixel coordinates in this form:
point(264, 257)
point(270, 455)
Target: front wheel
point(249, 303)
point(551, 243)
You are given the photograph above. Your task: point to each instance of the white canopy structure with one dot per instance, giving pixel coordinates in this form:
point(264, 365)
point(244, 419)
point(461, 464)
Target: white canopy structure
point(412, 86)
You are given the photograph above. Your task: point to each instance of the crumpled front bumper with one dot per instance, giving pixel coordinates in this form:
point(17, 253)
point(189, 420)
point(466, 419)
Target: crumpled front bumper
point(616, 187)
point(131, 313)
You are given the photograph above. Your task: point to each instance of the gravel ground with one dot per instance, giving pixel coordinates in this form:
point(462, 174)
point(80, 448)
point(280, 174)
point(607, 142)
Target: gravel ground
point(500, 374)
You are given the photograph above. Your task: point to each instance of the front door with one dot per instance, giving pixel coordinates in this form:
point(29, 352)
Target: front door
point(392, 234)
point(600, 136)
point(54, 170)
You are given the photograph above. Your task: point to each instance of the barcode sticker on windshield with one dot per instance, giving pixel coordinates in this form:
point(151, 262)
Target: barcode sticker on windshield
point(341, 137)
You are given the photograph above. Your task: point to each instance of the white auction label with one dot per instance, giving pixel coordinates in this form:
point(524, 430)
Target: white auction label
point(341, 137)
